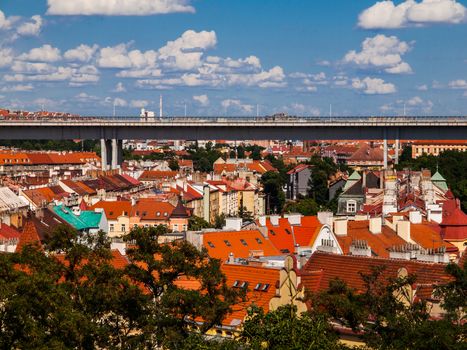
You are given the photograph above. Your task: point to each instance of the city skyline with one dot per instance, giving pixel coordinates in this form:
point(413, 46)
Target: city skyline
point(228, 58)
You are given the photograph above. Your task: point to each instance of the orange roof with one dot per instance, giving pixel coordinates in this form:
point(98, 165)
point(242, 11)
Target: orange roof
point(348, 269)
point(379, 242)
point(242, 244)
point(150, 209)
point(150, 175)
point(114, 209)
point(29, 236)
point(254, 276)
point(427, 237)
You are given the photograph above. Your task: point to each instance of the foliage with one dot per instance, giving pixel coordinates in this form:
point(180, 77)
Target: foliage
point(452, 165)
point(219, 221)
point(282, 329)
point(158, 267)
point(173, 164)
point(53, 145)
point(306, 206)
point(195, 223)
point(204, 158)
point(272, 188)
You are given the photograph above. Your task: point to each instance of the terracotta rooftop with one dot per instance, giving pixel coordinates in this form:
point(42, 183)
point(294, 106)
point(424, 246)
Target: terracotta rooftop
point(29, 236)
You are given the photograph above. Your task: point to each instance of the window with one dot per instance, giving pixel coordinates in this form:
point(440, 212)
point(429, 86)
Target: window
point(236, 283)
point(287, 231)
point(175, 226)
point(158, 213)
point(144, 213)
point(123, 227)
point(272, 232)
point(166, 214)
point(244, 285)
point(111, 227)
point(258, 286)
point(185, 227)
point(243, 242)
point(211, 244)
point(259, 240)
point(265, 287)
point(135, 225)
point(351, 206)
point(111, 213)
point(227, 243)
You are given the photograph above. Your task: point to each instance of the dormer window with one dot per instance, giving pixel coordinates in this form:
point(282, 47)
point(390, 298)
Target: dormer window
point(158, 213)
point(166, 214)
point(259, 241)
point(144, 213)
point(227, 243)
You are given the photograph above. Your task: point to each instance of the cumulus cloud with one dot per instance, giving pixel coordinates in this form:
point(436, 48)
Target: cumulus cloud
point(373, 86)
point(45, 53)
point(236, 105)
point(6, 57)
point(381, 52)
point(82, 53)
point(387, 15)
point(17, 88)
point(119, 87)
point(422, 87)
point(120, 102)
point(139, 103)
point(117, 7)
point(458, 84)
point(32, 27)
point(203, 100)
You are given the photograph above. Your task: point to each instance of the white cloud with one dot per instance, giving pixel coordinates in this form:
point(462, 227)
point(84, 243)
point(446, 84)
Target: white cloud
point(387, 15)
point(236, 105)
point(6, 22)
point(17, 88)
point(423, 87)
point(381, 52)
point(139, 103)
point(45, 53)
point(458, 84)
point(82, 53)
point(6, 57)
point(203, 100)
point(117, 7)
point(31, 28)
point(86, 98)
point(373, 86)
point(465, 94)
point(119, 87)
point(120, 102)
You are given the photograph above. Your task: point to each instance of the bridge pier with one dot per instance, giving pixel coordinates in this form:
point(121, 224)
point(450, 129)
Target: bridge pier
point(396, 161)
point(111, 154)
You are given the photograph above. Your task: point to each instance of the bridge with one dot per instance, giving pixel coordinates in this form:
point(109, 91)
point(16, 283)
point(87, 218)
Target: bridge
point(111, 130)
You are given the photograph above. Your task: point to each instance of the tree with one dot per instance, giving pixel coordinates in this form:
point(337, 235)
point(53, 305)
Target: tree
point(195, 223)
point(175, 310)
point(318, 187)
point(306, 206)
point(283, 329)
point(272, 188)
point(173, 164)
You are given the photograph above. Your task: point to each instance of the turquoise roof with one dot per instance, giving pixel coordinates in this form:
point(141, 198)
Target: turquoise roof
point(353, 178)
point(439, 181)
point(86, 220)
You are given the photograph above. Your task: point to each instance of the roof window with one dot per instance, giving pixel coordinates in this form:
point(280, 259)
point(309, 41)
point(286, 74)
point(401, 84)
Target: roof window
point(258, 286)
point(243, 242)
point(272, 232)
point(211, 244)
point(259, 241)
point(158, 213)
point(227, 243)
point(265, 287)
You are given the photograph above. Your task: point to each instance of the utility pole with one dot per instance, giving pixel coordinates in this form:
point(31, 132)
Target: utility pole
point(160, 106)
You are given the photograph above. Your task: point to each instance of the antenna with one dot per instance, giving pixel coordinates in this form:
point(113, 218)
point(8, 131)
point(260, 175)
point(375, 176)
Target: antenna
point(404, 110)
point(160, 106)
point(185, 109)
point(114, 109)
point(257, 110)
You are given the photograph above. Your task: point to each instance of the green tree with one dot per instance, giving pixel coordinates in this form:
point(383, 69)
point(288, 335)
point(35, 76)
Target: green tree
point(195, 223)
point(173, 164)
point(283, 329)
point(272, 188)
point(158, 267)
point(306, 206)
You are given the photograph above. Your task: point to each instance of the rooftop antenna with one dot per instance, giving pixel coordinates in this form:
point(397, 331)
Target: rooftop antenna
point(185, 109)
point(257, 110)
point(160, 106)
point(114, 109)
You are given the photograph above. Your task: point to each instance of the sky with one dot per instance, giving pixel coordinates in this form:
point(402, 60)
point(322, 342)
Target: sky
point(235, 57)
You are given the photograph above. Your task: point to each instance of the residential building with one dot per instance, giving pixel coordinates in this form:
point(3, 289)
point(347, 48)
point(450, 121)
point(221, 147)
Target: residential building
point(298, 182)
point(435, 147)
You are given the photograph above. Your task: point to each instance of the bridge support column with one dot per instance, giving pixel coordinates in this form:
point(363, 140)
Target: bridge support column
point(103, 155)
point(385, 151)
point(114, 154)
point(396, 161)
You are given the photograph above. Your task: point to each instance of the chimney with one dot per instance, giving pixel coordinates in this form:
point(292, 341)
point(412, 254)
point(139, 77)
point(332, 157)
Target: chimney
point(294, 219)
point(233, 224)
point(262, 220)
point(274, 219)
point(207, 203)
point(340, 227)
point(325, 217)
point(415, 217)
point(231, 258)
point(364, 174)
point(375, 225)
point(403, 230)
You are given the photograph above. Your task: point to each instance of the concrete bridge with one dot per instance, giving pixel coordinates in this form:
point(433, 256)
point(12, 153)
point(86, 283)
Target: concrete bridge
point(111, 131)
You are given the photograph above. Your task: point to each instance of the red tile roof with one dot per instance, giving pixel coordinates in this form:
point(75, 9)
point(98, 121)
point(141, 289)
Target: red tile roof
point(150, 209)
point(114, 209)
point(8, 232)
point(29, 236)
point(221, 244)
point(252, 275)
point(348, 269)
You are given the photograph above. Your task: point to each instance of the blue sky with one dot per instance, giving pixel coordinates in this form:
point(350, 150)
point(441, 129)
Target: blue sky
point(225, 57)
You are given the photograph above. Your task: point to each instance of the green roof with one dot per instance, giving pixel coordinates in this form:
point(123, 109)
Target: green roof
point(438, 177)
point(353, 178)
point(86, 220)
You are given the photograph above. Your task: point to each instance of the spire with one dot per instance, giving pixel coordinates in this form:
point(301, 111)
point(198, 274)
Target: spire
point(29, 237)
point(179, 211)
